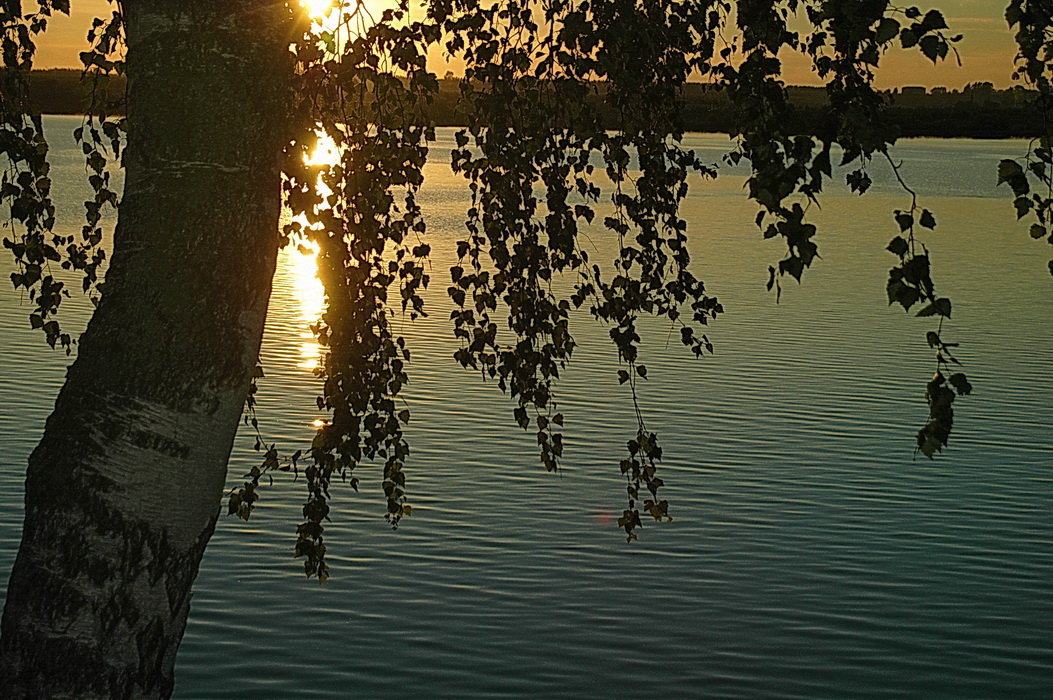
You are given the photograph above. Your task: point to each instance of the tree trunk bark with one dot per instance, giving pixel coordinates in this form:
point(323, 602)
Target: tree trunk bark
point(123, 491)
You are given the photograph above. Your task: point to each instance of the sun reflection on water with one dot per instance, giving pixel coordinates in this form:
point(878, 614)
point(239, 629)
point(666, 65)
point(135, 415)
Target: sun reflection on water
point(324, 152)
point(303, 259)
point(328, 16)
point(309, 290)
point(310, 296)
point(302, 255)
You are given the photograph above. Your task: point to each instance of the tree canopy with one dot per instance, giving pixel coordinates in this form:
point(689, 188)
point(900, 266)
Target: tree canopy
point(540, 77)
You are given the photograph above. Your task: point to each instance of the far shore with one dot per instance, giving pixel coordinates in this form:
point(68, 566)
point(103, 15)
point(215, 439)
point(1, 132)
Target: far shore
point(978, 111)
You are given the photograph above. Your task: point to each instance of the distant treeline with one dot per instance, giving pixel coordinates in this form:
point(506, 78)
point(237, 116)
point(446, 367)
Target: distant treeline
point(978, 111)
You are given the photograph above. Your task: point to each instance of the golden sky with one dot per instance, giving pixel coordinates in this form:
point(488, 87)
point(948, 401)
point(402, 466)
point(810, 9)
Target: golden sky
point(986, 50)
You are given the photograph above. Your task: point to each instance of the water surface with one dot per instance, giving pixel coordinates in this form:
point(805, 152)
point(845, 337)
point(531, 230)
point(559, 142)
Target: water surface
point(810, 554)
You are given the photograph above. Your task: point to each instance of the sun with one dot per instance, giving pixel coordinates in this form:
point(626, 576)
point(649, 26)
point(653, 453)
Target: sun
point(318, 9)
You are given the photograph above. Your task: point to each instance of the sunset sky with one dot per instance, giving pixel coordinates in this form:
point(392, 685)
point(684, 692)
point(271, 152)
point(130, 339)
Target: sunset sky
point(987, 48)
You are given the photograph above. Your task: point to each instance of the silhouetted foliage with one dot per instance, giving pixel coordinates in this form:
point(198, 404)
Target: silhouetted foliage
point(1031, 178)
point(573, 115)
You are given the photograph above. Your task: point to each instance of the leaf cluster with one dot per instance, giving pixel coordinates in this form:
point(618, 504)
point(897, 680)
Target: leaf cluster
point(1030, 178)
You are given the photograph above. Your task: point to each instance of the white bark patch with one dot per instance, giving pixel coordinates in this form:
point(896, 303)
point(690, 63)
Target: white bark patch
point(168, 466)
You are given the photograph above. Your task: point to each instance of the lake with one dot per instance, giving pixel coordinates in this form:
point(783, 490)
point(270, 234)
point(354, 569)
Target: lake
point(810, 556)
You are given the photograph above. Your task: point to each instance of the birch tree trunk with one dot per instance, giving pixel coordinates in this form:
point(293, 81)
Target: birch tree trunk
point(124, 489)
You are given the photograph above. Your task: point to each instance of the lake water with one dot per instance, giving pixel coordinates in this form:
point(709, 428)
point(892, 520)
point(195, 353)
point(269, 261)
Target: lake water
point(810, 555)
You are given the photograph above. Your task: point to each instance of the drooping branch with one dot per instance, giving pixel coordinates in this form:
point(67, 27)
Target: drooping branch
point(541, 78)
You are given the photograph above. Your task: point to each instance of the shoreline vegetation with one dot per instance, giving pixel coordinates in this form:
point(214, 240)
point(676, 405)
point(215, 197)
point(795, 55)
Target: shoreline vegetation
point(977, 111)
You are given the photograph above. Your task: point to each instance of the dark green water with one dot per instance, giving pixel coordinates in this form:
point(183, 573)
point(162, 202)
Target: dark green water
point(810, 556)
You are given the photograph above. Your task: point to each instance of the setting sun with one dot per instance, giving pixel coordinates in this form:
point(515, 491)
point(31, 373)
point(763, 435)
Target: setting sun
point(318, 9)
